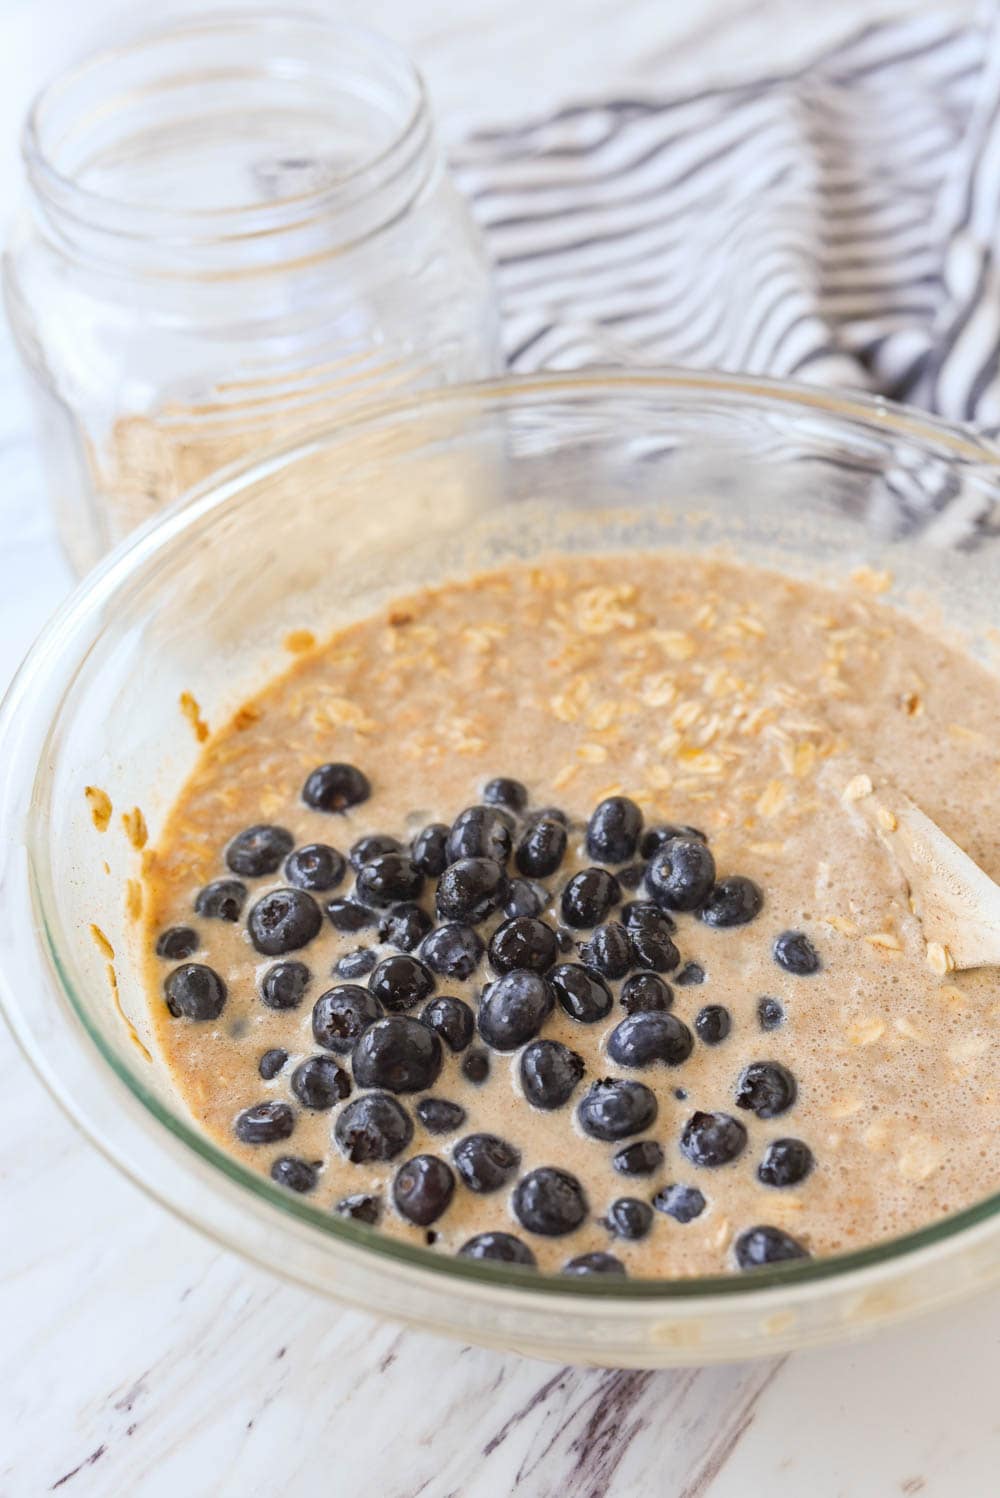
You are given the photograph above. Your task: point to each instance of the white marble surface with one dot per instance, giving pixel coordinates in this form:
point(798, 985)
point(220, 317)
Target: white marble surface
point(135, 1358)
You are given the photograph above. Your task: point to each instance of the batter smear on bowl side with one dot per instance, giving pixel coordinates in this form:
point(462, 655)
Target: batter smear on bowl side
point(529, 918)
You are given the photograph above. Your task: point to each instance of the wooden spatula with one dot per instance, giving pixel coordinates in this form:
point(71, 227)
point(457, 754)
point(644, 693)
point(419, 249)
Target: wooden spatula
point(957, 904)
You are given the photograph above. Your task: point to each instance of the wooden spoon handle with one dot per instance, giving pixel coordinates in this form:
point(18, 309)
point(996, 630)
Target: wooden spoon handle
point(957, 904)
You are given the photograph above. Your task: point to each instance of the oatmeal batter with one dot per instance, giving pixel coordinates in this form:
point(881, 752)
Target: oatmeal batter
point(711, 695)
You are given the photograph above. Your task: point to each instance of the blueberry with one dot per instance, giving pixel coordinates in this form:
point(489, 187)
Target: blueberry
point(650, 1036)
point(523, 942)
point(453, 1020)
point(766, 1245)
point(642, 1158)
point(355, 964)
point(733, 902)
point(615, 1109)
point(690, 973)
point(271, 1063)
point(388, 877)
point(348, 915)
point(513, 1010)
point(438, 1116)
point(505, 792)
point(335, 788)
point(682, 1203)
point(524, 897)
point(265, 1123)
point(549, 1073)
point(629, 1218)
point(595, 1262)
point(542, 848)
point(712, 1139)
point(373, 1127)
point(284, 984)
point(398, 1054)
point(589, 896)
point(654, 838)
point(491, 813)
point(296, 1174)
point(400, 982)
point(548, 814)
point(653, 948)
point(609, 950)
point(319, 1082)
point(404, 926)
point(681, 874)
point(713, 1024)
point(613, 830)
point(502, 1248)
point(342, 1015)
point(259, 850)
point(453, 951)
point(222, 900)
point(429, 850)
point(639, 913)
point(549, 1201)
point(766, 1088)
point(796, 954)
point(770, 1014)
point(646, 993)
point(283, 920)
point(650, 932)
point(176, 943)
point(372, 845)
point(423, 1189)
point(786, 1162)
point(480, 832)
point(476, 1067)
point(485, 1162)
point(584, 995)
point(631, 875)
point(315, 866)
point(360, 1208)
point(471, 889)
point(195, 991)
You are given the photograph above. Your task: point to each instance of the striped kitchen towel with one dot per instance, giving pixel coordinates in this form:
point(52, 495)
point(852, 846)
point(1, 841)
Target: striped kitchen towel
point(839, 224)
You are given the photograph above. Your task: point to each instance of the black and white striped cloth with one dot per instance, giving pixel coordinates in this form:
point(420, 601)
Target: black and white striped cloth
point(838, 225)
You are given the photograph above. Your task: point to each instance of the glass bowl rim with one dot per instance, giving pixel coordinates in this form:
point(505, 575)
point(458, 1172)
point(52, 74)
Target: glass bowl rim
point(142, 547)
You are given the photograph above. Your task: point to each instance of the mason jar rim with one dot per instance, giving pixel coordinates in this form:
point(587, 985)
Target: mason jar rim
point(380, 183)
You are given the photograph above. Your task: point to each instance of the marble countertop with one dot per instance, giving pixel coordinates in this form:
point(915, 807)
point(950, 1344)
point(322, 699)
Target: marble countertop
point(136, 1358)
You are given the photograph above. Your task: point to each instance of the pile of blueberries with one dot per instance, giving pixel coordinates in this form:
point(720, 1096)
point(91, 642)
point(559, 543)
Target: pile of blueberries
point(371, 1027)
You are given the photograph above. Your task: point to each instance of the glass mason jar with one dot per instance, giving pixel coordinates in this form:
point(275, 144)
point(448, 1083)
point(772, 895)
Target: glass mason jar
point(238, 228)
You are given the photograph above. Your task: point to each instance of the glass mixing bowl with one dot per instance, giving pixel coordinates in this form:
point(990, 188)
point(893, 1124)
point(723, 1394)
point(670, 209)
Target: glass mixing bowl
point(314, 536)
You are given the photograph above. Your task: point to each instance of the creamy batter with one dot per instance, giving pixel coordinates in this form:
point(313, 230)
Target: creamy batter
point(711, 694)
